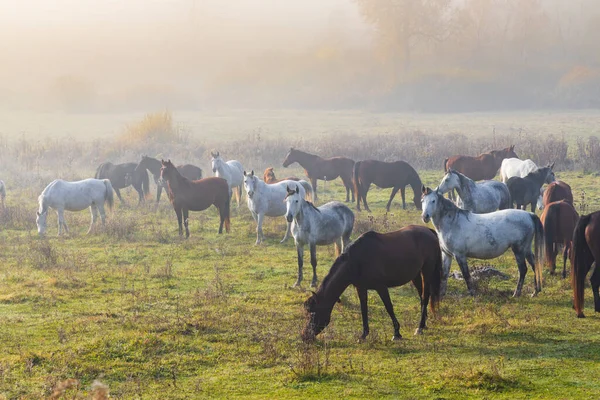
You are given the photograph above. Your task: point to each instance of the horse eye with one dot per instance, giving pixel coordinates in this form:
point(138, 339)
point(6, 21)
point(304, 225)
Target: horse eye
point(433, 202)
point(296, 201)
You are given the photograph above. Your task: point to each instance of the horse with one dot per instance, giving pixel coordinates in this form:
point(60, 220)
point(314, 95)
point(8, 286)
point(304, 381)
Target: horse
point(153, 165)
point(483, 167)
point(330, 223)
point(556, 191)
point(378, 261)
point(480, 198)
point(524, 191)
point(585, 256)
point(186, 195)
point(232, 171)
point(516, 167)
point(264, 199)
point(74, 196)
point(464, 234)
point(269, 177)
point(2, 193)
point(123, 175)
point(559, 219)
point(395, 175)
point(326, 169)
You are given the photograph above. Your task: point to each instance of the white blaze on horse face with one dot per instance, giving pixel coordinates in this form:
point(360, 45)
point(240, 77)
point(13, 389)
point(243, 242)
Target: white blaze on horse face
point(292, 206)
point(41, 222)
point(430, 203)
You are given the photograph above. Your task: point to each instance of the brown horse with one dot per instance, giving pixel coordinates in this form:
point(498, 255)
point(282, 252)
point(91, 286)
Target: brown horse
point(269, 177)
point(559, 219)
point(394, 175)
point(186, 195)
point(483, 167)
point(586, 253)
point(557, 191)
point(378, 261)
point(326, 169)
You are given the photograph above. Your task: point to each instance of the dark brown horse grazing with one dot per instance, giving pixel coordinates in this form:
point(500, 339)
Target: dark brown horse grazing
point(378, 261)
point(586, 253)
point(394, 175)
point(483, 167)
point(326, 169)
point(559, 219)
point(557, 191)
point(186, 195)
point(269, 177)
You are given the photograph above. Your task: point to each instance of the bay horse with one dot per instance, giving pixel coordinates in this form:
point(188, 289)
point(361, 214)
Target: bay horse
point(74, 196)
point(326, 169)
point(153, 165)
point(232, 171)
point(330, 223)
point(478, 197)
point(186, 195)
point(524, 191)
point(463, 235)
point(123, 175)
point(585, 256)
point(395, 175)
point(483, 167)
point(556, 191)
point(378, 261)
point(269, 200)
point(559, 219)
point(269, 177)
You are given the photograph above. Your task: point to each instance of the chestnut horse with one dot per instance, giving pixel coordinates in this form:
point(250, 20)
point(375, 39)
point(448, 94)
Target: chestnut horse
point(559, 219)
point(556, 191)
point(378, 261)
point(395, 175)
point(326, 169)
point(269, 177)
point(586, 253)
point(186, 195)
point(483, 167)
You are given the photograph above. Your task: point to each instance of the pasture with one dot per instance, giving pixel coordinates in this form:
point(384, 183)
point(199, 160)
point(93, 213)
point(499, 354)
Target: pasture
point(153, 316)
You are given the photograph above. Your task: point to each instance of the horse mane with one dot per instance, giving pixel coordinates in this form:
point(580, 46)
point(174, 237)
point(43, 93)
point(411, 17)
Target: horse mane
point(449, 206)
point(312, 205)
point(537, 174)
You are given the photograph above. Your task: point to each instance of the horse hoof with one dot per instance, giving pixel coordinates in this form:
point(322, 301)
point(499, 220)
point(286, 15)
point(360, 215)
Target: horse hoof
point(418, 331)
point(297, 284)
point(516, 294)
point(313, 284)
point(395, 338)
point(580, 315)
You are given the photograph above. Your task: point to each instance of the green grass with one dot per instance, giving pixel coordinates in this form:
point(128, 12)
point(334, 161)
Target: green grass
point(154, 316)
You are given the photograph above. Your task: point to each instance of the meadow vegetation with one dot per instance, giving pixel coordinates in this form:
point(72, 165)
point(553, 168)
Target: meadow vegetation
point(136, 311)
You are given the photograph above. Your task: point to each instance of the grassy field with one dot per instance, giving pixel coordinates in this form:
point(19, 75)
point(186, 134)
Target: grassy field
point(153, 316)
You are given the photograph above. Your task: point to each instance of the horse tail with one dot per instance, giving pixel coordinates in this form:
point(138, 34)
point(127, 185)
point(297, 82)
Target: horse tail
point(226, 212)
point(308, 189)
point(435, 280)
point(108, 195)
point(550, 226)
point(445, 164)
point(145, 183)
point(581, 260)
point(356, 180)
point(539, 249)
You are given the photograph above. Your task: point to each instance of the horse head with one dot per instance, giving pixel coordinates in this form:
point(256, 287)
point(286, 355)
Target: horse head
point(216, 160)
point(429, 202)
point(250, 183)
point(40, 220)
point(289, 158)
point(165, 171)
point(292, 203)
point(269, 175)
point(319, 315)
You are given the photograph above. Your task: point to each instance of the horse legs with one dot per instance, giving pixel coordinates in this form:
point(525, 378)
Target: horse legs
point(313, 262)
point(313, 182)
point(403, 194)
point(118, 192)
point(186, 213)
point(61, 221)
point(531, 260)
point(102, 213)
point(394, 191)
point(446, 263)
point(158, 192)
point(288, 229)
point(362, 296)
point(384, 294)
point(300, 251)
point(238, 194)
point(520, 257)
point(464, 269)
point(566, 252)
point(259, 231)
point(365, 190)
point(595, 281)
point(424, 291)
point(94, 211)
point(179, 220)
point(552, 259)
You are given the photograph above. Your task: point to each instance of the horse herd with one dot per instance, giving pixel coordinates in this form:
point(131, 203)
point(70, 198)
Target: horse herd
point(478, 223)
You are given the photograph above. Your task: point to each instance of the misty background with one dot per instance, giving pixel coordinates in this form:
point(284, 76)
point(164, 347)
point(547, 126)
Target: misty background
point(85, 56)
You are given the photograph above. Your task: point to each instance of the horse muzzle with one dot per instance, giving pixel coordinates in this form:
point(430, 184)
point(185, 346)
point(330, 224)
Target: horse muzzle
point(289, 218)
point(250, 194)
point(426, 218)
point(214, 170)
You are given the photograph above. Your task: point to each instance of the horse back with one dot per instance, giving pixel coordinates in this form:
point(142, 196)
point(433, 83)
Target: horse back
point(476, 168)
point(201, 194)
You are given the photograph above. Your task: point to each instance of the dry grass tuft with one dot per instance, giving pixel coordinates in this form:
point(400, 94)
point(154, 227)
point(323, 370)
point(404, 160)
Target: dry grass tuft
point(154, 127)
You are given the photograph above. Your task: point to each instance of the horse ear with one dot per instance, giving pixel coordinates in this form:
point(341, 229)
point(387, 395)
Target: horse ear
point(244, 173)
point(252, 173)
point(423, 189)
point(297, 189)
point(512, 147)
point(552, 166)
point(218, 154)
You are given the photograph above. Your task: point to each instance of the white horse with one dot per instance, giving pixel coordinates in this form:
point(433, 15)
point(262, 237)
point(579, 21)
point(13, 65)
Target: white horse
point(331, 223)
point(2, 192)
point(74, 196)
point(232, 171)
point(269, 199)
point(516, 167)
point(482, 197)
point(464, 234)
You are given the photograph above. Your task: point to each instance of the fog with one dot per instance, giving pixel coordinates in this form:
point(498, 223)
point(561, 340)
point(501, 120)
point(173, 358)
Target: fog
point(424, 55)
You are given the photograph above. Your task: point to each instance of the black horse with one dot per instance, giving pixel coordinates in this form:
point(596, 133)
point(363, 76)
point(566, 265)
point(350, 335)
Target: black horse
point(526, 190)
point(123, 175)
point(153, 165)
